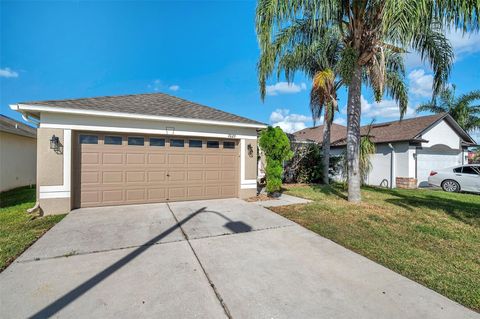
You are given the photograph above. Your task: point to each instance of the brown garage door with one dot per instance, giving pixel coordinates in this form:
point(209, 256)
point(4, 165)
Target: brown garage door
point(117, 169)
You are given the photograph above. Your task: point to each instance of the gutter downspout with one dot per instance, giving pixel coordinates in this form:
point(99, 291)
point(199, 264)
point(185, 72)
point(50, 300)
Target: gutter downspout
point(392, 164)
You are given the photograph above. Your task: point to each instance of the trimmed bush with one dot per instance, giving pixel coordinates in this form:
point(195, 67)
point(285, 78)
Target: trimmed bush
point(275, 145)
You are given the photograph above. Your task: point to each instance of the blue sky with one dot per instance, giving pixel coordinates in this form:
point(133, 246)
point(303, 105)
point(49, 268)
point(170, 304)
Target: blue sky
point(202, 51)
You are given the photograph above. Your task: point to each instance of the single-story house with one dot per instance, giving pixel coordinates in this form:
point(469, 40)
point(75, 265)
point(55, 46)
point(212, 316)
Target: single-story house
point(18, 152)
point(143, 148)
point(407, 150)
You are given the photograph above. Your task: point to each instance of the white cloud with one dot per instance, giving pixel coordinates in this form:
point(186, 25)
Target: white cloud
point(8, 73)
point(420, 83)
point(464, 43)
point(157, 85)
point(289, 122)
point(340, 121)
point(285, 88)
point(383, 109)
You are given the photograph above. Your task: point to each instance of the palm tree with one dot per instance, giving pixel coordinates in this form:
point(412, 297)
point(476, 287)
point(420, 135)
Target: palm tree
point(460, 108)
point(300, 47)
point(367, 28)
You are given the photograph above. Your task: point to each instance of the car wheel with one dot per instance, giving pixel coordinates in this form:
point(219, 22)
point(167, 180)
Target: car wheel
point(450, 186)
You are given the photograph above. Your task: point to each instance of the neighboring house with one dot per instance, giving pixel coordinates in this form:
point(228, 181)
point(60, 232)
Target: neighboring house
point(143, 148)
point(407, 149)
point(18, 152)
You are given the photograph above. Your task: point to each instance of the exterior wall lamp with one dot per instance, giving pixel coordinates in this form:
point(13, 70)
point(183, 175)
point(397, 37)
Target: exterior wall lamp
point(55, 143)
point(250, 150)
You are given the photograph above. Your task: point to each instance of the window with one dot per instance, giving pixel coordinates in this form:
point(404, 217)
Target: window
point(177, 143)
point(457, 170)
point(228, 144)
point(195, 143)
point(469, 170)
point(154, 141)
point(113, 140)
point(136, 141)
point(213, 144)
point(88, 139)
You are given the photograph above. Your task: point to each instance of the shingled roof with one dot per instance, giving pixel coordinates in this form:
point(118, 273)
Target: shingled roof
point(11, 126)
point(395, 131)
point(155, 104)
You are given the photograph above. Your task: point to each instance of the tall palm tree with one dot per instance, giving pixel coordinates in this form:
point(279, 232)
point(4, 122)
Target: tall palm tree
point(368, 27)
point(460, 108)
point(301, 47)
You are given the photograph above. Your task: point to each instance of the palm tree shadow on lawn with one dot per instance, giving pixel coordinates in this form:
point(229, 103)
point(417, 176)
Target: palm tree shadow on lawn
point(466, 212)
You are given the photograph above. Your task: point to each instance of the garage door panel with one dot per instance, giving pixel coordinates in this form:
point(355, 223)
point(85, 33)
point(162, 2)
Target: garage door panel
point(90, 177)
point(213, 159)
point(156, 176)
point(135, 176)
point(112, 177)
point(112, 158)
point(156, 194)
point(195, 191)
point(90, 158)
point(176, 193)
point(228, 175)
point(90, 197)
point(195, 159)
point(177, 176)
point(135, 158)
point(228, 161)
point(228, 191)
point(194, 176)
point(156, 159)
point(176, 159)
point(212, 176)
point(128, 174)
point(135, 194)
point(212, 191)
point(115, 195)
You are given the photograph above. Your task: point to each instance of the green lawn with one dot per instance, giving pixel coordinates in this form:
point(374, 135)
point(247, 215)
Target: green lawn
point(429, 236)
point(18, 230)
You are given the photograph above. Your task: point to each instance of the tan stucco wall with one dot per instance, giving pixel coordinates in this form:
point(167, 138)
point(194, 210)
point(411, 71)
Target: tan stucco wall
point(251, 160)
point(247, 193)
point(50, 171)
point(50, 163)
point(17, 161)
point(52, 206)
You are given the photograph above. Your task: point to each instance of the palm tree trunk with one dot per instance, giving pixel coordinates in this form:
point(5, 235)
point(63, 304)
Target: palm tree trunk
point(326, 150)
point(353, 135)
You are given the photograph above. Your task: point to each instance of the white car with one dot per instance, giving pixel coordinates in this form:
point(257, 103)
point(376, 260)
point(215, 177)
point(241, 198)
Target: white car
point(455, 179)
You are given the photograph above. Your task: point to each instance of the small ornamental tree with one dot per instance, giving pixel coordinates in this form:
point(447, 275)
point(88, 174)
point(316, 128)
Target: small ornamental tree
point(276, 147)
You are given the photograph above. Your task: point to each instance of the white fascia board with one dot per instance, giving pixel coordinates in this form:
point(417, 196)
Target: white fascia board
point(118, 129)
point(40, 108)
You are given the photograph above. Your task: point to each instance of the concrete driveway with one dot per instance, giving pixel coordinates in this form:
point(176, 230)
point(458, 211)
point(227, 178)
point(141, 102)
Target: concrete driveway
point(203, 259)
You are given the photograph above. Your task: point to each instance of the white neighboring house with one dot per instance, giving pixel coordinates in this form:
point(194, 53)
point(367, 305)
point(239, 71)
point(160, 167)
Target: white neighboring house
point(18, 154)
point(407, 150)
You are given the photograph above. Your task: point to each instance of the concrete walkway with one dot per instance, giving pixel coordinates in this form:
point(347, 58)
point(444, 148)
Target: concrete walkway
point(204, 259)
point(283, 200)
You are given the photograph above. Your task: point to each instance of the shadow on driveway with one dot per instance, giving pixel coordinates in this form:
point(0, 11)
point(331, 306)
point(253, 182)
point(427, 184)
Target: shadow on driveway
point(62, 302)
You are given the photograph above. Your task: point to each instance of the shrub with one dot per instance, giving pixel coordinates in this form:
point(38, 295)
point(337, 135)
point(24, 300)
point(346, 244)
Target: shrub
point(276, 147)
point(306, 164)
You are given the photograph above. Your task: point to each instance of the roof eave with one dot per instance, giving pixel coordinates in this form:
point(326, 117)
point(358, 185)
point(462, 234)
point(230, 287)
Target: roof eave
point(36, 109)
